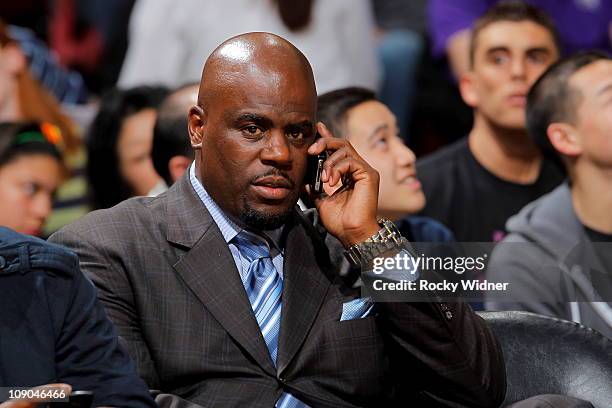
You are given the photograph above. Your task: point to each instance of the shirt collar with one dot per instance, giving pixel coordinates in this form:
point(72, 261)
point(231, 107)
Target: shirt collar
point(229, 229)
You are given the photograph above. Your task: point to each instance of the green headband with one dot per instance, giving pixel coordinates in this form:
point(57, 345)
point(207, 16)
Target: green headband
point(31, 137)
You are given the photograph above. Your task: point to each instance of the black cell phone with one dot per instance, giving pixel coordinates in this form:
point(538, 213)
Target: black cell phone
point(314, 170)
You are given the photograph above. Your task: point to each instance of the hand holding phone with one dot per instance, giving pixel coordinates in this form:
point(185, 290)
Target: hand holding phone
point(349, 212)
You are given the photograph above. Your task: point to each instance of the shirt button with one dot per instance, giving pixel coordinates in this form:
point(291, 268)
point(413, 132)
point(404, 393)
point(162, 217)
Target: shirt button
point(2, 262)
point(282, 379)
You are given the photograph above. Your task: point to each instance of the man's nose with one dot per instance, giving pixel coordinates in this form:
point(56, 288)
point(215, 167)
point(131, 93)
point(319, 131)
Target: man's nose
point(277, 149)
point(518, 69)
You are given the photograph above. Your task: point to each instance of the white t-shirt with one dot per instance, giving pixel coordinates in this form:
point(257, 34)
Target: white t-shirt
point(169, 40)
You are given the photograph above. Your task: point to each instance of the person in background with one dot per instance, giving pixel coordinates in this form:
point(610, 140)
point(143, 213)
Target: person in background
point(582, 24)
point(566, 271)
point(172, 153)
point(31, 170)
point(22, 96)
point(336, 36)
point(357, 115)
point(119, 141)
point(54, 329)
point(474, 185)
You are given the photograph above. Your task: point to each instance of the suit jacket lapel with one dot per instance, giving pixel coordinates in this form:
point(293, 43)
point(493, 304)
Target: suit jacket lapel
point(209, 270)
point(305, 285)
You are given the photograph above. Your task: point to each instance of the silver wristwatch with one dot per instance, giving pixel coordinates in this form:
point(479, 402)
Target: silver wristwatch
point(387, 238)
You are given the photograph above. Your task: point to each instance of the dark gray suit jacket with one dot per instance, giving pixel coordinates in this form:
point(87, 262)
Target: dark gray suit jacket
point(169, 282)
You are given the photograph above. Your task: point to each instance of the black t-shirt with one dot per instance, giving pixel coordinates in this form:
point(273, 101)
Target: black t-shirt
point(596, 236)
point(471, 201)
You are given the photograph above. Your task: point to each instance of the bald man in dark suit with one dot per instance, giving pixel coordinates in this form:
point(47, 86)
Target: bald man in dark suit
point(224, 292)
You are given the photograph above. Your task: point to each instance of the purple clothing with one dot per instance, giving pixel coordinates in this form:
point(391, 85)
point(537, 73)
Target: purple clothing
point(582, 24)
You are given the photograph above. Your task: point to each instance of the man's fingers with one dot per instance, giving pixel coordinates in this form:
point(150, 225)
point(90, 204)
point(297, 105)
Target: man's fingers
point(327, 142)
point(335, 173)
point(65, 389)
point(59, 386)
point(330, 166)
point(323, 130)
point(345, 169)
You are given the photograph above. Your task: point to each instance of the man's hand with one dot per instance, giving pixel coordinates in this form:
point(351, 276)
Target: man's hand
point(349, 211)
point(36, 402)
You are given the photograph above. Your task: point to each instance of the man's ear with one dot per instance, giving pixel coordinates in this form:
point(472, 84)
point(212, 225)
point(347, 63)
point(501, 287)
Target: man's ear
point(14, 60)
point(467, 87)
point(195, 125)
point(565, 139)
point(177, 166)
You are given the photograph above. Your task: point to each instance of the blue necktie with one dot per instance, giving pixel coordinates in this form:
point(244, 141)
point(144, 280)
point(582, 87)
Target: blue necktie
point(264, 288)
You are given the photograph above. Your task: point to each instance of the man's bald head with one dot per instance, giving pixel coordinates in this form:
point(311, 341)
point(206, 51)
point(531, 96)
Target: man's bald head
point(252, 57)
point(252, 127)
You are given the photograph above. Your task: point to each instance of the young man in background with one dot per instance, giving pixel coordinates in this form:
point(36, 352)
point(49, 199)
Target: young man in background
point(474, 185)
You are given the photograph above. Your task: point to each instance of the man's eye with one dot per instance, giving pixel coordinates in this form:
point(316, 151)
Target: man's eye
point(252, 130)
point(296, 134)
point(538, 58)
point(499, 59)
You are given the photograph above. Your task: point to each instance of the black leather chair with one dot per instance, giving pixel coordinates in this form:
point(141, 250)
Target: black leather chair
point(546, 355)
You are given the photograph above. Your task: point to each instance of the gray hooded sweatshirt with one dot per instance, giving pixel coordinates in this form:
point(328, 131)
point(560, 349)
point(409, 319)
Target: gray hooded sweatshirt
point(550, 264)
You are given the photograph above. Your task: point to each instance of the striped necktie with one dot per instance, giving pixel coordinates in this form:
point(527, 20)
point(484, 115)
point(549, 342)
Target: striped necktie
point(264, 288)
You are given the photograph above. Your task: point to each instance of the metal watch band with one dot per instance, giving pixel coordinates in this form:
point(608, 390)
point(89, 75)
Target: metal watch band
point(387, 238)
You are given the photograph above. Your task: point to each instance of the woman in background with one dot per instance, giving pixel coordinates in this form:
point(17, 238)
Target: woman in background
point(119, 143)
point(31, 170)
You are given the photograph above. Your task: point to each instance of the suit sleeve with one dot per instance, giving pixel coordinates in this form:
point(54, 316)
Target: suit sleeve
point(445, 350)
point(458, 359)
point(115, 293)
